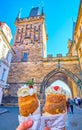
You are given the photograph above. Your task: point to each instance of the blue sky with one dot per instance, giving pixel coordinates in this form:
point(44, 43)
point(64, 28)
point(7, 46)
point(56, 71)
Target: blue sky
point(60, 15)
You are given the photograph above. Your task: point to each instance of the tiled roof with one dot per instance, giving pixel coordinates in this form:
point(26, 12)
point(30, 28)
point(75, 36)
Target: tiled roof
point(34, 12)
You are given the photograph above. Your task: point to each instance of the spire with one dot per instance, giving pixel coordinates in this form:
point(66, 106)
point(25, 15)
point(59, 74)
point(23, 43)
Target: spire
point(19, 14)
point(42, 9)
point(73, 30)
point(34, 12)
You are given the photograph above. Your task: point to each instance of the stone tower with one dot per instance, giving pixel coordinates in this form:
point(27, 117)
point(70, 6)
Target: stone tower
point(30, 61)
point(30, 38)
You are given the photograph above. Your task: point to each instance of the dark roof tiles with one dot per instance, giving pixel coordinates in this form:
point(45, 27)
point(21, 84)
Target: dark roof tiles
point(34, 12)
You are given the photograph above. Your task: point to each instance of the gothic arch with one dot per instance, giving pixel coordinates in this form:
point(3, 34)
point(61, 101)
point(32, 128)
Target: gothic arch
point(64, 71)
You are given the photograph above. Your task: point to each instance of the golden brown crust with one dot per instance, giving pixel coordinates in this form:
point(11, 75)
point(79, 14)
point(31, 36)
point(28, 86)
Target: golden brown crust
point(55, 98)
point(55, 104)
point(28, 104)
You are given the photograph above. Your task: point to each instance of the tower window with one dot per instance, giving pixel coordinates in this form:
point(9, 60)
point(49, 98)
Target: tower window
point(25, 57)
point(34, 37)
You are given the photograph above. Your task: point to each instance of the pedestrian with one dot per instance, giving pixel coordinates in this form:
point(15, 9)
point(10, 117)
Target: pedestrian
point(76, 101)
point(71, 105)
point(28, 124)
point(68, 105)
point(79, 101)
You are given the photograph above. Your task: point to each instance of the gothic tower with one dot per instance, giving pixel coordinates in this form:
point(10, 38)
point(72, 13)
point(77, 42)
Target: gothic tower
point(30, 38)
point(30, 61)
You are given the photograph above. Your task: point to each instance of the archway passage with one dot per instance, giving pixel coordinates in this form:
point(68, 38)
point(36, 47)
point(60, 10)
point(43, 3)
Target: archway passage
point(64, 75)
point(64, 86)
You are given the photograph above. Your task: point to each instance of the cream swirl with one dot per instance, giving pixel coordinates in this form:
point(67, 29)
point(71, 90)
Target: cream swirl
point(25, 91)
point(52, 90)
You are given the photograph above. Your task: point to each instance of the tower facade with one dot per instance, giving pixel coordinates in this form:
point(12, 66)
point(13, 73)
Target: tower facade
point(30, 38)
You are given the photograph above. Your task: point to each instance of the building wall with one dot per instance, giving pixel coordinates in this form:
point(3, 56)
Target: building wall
point(23, 71)
point(78, 35)
point(75, 45)
point(5, 56)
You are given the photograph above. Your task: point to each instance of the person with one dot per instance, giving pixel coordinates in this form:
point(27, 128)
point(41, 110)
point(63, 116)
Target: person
point(71, 105)
point(68, 105)
point(76, 101)
point(28, 124)
point(79, 101)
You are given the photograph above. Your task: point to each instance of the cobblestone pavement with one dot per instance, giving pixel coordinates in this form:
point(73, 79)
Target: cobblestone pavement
point(9, 119)
point(74, 121)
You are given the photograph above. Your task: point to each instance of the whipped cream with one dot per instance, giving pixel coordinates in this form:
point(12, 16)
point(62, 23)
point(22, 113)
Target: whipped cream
point(25, 91)
point(52, 90)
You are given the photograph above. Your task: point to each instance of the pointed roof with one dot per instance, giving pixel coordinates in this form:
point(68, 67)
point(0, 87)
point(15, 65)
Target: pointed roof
point(19, 14)
point(74, 24)
point(34, 12)
point(42, 11)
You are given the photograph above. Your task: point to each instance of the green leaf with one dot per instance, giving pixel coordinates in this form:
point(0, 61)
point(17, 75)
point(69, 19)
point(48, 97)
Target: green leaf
point(30, 82)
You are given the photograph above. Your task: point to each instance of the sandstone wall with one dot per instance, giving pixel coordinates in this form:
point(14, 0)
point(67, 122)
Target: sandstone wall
point(21, 72)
